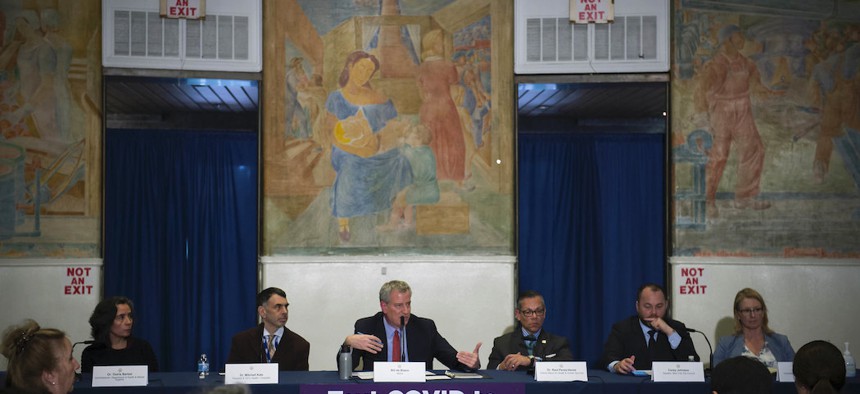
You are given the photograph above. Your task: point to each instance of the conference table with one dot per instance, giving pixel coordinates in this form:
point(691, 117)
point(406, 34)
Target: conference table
point(493, 382)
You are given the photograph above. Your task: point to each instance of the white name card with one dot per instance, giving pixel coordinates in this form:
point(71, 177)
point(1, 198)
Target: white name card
point(561, 371)
point(260, 373)
point(398, 372)
point(677, 371)
point(120, 376)
point(784, 372)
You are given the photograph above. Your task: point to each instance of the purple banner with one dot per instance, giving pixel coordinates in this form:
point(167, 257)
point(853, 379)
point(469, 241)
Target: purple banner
point(432, 387)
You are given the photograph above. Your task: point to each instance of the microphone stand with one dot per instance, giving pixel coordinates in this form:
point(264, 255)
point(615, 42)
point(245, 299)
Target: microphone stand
point(402, 338)
point(710, 350)
point(89, 342)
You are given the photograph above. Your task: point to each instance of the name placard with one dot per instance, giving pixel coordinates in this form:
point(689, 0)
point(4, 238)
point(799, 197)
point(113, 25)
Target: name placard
point(260, 373)
point(398, 372)
point(120, 376)
point(561, 371)
point(677, 371)
point(784, 372)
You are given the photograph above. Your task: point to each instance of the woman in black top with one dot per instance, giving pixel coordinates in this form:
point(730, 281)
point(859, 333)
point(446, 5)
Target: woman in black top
point(111, 324)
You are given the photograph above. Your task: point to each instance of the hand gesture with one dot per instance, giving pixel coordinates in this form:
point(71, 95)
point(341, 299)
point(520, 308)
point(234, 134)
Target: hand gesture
point(470, 360)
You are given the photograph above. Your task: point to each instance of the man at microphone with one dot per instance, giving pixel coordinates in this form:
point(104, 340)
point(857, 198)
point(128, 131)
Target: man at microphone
point(529, 342)
point(651, 336)
point(271, 341)
point(395, 334)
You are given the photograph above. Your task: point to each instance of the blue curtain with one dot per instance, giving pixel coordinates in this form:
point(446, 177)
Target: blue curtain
point(181, 238)
point(591, 228)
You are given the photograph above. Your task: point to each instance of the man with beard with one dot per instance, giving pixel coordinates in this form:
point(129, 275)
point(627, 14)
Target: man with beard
point(650, 336)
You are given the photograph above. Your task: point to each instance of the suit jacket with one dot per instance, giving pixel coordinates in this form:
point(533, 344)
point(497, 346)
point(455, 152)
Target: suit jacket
point(626, 339)
point(423, 343)
point(548, 347)
point(292, 353)
point(733, 345)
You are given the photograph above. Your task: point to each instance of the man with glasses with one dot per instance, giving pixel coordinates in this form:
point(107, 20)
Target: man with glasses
point(651, 336)
point(529, 342)
point(395, 334)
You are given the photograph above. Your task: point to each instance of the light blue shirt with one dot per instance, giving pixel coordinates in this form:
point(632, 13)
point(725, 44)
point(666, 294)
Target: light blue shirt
point(389, 334)
point(674, 339)
point(526, 332)
point(279, 333)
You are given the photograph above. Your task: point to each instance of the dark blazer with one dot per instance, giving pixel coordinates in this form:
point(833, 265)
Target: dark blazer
point(423, 343)
point(626, 340)
point(292, 353)
point(137, 352)
point(548, 347)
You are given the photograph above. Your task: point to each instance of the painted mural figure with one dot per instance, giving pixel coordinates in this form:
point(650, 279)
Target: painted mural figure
point(36, 63)
point(312, 98)
point(834, 90)
point(436, 75)
point(62, 89)
point(367, 180)
point(424, 188)
point(298, 124)
point(726, 84)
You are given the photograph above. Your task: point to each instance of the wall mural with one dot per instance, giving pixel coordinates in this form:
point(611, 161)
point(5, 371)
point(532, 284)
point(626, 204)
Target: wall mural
point(50, 100)
point(382, 136)
point(766, 129)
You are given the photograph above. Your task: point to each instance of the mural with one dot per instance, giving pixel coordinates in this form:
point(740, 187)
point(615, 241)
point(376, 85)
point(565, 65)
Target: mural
point(381, 136)
point(766, 129)
point(49, 112)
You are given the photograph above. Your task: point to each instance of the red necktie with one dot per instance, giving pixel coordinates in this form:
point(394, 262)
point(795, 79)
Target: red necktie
point(395, 344)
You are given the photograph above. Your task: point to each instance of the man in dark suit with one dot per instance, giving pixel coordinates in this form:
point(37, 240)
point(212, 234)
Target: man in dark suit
point(529, 342)
point(271, 341)
point(637, 341)
point(381, 336)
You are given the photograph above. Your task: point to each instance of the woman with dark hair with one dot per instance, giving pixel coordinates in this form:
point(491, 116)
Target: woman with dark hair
point(752, 337)
point(40, 360)
point(111, 324)
point(818, 368)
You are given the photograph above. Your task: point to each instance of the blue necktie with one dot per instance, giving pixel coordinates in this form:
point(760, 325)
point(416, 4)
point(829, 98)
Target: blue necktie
point(530, 341)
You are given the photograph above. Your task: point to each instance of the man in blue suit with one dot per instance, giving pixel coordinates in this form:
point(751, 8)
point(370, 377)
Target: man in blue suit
point(395, 334)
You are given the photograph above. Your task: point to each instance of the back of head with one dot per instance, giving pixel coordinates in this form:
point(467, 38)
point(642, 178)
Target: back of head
point(819, 367)
point(741, 375)
point(30, 350)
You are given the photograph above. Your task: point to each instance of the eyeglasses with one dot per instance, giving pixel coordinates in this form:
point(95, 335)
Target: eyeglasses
point(751, 311)
point(530, 313)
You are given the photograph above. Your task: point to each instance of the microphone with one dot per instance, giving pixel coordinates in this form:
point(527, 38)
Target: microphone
point(88, 342)
point(710, 349)
point(402, 338)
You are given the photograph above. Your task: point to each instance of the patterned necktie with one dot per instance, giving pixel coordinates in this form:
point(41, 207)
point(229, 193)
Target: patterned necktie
point(652, 340)
point(395, 347)
point(530, 341)
point(271, 346)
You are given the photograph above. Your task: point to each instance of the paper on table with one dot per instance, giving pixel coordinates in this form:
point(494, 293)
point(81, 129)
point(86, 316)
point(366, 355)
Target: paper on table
point(363, 375)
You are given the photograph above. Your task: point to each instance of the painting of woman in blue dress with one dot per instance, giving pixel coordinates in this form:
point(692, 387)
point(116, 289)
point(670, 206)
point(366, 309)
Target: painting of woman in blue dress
point(368, 178)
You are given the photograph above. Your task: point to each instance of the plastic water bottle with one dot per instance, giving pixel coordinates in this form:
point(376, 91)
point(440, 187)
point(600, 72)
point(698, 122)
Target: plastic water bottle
point(850, 365)
point(202, 366)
